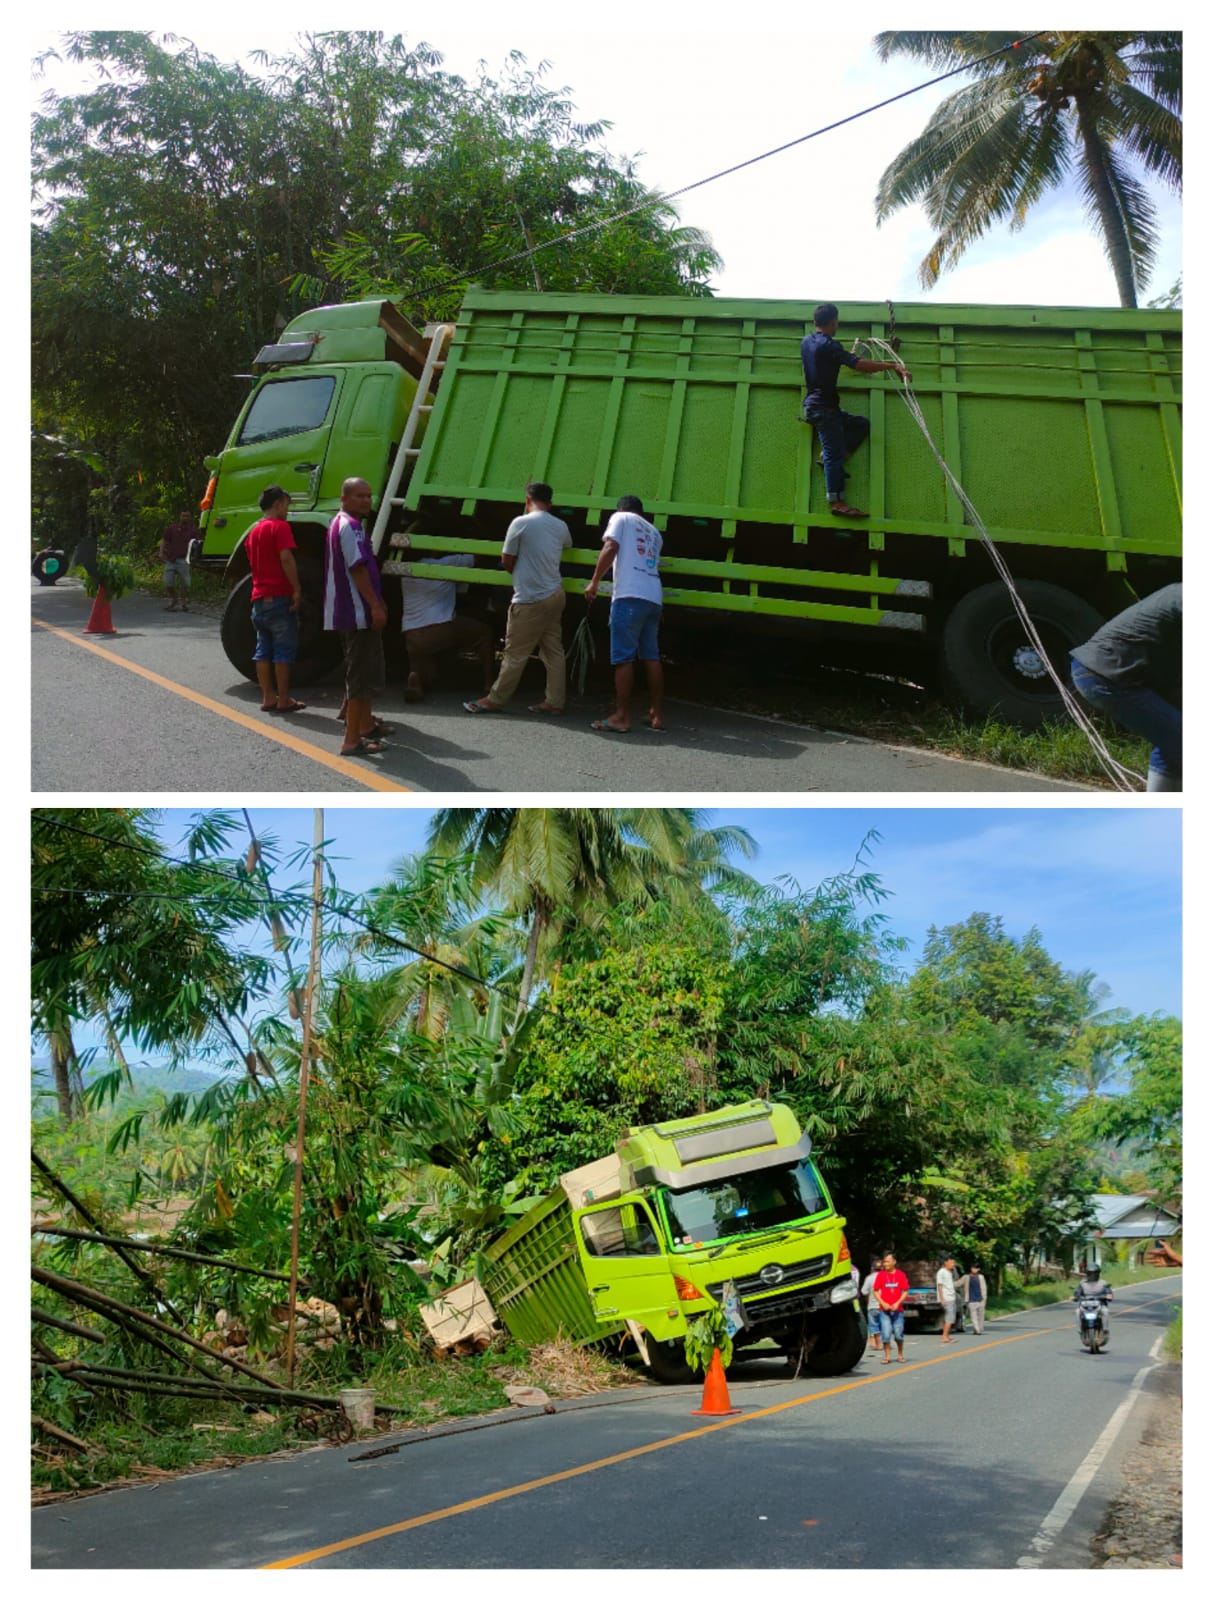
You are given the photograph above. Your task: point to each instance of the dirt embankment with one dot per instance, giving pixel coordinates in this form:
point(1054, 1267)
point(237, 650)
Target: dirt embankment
point(1144, 1524)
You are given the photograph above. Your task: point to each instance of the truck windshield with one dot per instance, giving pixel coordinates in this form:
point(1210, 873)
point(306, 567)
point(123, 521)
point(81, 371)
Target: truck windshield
point(292, 405)
point(745, 1203)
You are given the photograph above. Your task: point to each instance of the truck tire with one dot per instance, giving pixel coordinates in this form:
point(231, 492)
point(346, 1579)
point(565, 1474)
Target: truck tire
point(319, 652)
point(667, 1363)
point(49, 566)
point(990, 667)
point(838, 1346)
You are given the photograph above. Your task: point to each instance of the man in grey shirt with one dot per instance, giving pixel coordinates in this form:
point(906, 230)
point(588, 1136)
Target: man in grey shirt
point(534, 544)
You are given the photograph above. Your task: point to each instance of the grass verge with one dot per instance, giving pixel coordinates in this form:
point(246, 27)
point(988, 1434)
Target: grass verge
point(1048, 1291)
point(152, 1442)
point(1173, 1339)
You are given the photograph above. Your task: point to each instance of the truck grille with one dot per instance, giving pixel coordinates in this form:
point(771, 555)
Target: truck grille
point(791, 1274)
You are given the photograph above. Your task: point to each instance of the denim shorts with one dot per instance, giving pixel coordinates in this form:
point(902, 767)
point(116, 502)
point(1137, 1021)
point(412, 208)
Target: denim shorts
point(277, 629)
point(634, 631)
point(873, 1320)
point(892, 1326)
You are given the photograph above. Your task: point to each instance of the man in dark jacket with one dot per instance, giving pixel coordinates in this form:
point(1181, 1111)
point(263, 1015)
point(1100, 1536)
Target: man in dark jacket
point(1132, 669)
point(839, 432)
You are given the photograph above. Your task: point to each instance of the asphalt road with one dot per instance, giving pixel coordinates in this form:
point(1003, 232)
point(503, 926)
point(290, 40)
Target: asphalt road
point(157, 708)
point(995, 1453)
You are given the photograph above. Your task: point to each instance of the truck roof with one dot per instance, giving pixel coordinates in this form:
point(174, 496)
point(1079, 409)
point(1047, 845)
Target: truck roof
point(692, 1150)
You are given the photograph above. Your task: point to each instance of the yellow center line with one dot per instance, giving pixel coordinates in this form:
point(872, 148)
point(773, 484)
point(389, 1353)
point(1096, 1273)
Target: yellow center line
point(347, 769)
point(631, 1455)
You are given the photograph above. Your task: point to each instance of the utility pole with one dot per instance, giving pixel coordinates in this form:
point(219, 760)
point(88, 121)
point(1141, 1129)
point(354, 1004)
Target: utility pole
point(305, 1060)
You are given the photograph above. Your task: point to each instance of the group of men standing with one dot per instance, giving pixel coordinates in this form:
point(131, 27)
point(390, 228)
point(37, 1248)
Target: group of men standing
point(354, 609)
point(886, 1288)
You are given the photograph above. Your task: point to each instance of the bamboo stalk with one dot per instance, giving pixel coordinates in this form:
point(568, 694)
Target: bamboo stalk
point(37, 1313)
point(73, 1200)
point(157, 1249)
point(82, 1295)
point(305, 1059)
point(60, 1433)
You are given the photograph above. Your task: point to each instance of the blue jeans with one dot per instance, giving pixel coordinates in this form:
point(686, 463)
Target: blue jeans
point(1142, 711)
point(277, 629)
point(874, 1320)
point(840, 435)
point(634, 631)
point(892, 1326)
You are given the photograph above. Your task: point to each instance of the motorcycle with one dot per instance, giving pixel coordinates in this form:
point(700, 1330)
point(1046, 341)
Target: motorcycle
point(1093, 1322)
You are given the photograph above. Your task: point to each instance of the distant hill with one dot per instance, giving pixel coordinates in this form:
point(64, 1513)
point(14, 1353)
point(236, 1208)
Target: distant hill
point(144, 1080)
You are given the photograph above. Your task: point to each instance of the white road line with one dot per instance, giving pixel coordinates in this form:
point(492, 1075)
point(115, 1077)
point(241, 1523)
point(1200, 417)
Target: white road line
point(1068, 1500)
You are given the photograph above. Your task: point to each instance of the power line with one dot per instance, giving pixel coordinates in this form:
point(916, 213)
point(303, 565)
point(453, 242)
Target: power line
point(725, 172)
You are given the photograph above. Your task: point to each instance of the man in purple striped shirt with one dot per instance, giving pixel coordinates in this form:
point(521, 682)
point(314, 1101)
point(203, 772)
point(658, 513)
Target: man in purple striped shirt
point(354, 610)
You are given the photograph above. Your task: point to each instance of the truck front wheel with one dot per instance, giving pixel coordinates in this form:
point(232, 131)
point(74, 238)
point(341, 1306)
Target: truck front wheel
point(319, 651)
point(991, 666)
point(667, 1361)
point(835, 1341)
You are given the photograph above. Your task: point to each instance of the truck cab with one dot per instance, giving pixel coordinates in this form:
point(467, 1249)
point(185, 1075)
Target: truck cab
point(329, 403)
point(732, 1196)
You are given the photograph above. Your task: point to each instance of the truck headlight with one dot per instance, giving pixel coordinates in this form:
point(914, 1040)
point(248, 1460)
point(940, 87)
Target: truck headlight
point(841, 1292)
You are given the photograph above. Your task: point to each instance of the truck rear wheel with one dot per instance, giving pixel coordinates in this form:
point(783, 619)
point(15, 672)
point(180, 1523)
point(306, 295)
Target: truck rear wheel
point(839, 1342)
point(990, 666)
point(319, 652)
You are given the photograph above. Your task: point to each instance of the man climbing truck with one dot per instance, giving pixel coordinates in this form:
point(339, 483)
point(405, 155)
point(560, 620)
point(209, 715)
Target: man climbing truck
point(645, 1240)
point(1062, 425)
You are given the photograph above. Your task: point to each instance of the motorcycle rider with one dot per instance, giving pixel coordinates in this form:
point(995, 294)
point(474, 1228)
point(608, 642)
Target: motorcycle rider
point(1093, 1287)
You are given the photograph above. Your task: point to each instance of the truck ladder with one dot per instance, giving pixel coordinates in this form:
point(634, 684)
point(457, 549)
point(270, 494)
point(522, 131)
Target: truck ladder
point(439, 333)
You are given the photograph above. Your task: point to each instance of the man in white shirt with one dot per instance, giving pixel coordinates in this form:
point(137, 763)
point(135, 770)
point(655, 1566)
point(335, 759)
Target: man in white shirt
point(631, 546)
point(534, 544)
point(431, 626)
point(945, 1288)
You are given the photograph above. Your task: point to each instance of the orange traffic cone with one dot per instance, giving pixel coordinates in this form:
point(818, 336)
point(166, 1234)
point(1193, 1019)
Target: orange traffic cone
point(715, 1392)
point(99, 619)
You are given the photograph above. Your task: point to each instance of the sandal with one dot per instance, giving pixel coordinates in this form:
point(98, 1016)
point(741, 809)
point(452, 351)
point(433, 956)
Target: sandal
point(366, 747)
point(547, 710)
point(379, 729)
point(478, 706)
point(602, 726)
point(839, 509)
point(286, 710)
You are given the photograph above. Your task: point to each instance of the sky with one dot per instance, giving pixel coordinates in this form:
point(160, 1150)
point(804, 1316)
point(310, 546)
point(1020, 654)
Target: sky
point(1102, 885)
point(692, 91)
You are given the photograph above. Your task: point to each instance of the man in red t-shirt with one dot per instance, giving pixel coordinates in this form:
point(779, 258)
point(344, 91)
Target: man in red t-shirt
point(890, 1289)
point(270, 547)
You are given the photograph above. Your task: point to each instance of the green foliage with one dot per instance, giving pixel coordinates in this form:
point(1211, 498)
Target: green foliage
point(186, 209)
point(706, 1333)
point(1104, 107)
point(1150, 1111)
point(114, 574)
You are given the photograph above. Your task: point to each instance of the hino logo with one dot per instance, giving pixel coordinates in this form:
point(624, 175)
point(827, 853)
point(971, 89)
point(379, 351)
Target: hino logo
point(771, 1274)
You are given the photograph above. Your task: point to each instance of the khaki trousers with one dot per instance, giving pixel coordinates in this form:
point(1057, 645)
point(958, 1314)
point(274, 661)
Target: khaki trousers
point(531, 629)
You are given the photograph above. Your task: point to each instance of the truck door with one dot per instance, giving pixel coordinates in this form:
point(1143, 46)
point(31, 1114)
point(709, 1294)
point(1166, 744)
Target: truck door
point(283, 438)
point(626, 1270)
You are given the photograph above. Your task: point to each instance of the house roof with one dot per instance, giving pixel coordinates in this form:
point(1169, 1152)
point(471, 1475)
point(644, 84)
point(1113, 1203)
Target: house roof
point(1131, 1216)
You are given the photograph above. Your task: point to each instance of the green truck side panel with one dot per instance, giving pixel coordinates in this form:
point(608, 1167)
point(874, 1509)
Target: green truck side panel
point(535, 1281)
point(1062, 425)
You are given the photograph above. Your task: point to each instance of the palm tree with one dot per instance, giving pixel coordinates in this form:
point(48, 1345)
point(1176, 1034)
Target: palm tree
point(551, 864)
point(1104, 105)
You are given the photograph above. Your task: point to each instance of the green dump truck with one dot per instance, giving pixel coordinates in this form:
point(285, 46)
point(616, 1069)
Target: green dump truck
point(642, 1241)
point(1063, 426)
